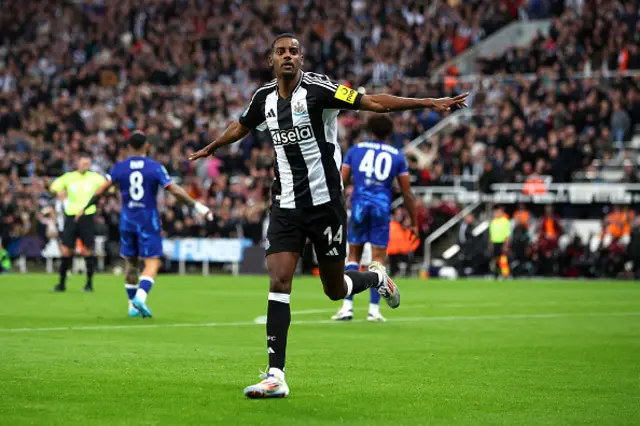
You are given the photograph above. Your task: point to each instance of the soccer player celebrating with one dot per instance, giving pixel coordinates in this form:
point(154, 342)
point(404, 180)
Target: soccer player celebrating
point(78, 186)
point(299, 109)
point(374, 166)
point(138, 179)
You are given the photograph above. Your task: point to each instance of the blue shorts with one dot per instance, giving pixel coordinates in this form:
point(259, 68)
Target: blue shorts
point(369, 223)
point(140, 244)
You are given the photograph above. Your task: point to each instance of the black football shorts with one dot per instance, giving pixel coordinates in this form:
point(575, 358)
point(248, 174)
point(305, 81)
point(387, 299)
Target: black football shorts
point(325, 225)
point(84, 229)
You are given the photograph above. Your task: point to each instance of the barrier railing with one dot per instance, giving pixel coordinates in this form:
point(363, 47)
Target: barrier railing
point(442, 230)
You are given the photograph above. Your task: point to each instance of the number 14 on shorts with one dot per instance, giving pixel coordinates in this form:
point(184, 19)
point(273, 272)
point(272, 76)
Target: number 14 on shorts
point(333, 238)
point(330, 238)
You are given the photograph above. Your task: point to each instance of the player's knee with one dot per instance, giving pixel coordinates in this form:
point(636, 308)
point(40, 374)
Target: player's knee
point(335, 293)
point(280, 283)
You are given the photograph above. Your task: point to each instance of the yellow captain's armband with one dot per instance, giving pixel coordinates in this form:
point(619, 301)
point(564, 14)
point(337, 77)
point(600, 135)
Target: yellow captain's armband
point(345, 94)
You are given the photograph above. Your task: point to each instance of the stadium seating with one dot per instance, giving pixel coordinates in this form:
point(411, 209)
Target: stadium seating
point(81, 75)
point(85, 74)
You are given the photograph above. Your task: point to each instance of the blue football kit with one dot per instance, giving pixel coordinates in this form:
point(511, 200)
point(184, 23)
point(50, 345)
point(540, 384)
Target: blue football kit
point(139, 179)
point(374, 166)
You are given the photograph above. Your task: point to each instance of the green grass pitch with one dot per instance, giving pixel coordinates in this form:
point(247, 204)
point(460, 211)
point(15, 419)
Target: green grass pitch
point(454, 353)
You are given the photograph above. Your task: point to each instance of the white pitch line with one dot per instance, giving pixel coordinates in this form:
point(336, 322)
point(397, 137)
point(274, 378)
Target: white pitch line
point(262, 319)
point(313, 322)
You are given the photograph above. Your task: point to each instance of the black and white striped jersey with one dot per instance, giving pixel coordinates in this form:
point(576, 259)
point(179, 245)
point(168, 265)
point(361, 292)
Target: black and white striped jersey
point(304, 133)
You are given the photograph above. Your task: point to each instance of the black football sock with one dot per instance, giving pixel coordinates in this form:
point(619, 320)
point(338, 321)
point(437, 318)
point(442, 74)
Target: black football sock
point(360, 281)
point(278, 320)
point(64, 267)
point(91, 267)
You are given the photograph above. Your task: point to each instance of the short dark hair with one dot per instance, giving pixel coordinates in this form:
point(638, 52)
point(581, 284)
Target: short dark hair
point(137, 139)
point(380, 125)
point(283, 35)
point(84, 154)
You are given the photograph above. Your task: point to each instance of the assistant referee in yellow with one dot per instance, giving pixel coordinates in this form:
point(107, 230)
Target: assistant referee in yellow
point(79, 186)
point(499, 233)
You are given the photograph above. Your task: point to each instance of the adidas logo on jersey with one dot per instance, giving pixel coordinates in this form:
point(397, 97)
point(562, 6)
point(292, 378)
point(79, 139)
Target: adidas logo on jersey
point(271, 114)
point(290, 136)
point(333, 252)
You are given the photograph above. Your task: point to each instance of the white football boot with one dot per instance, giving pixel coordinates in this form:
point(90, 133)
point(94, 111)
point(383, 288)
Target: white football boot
point(388, 289)
point(271, 386)
point(343, 315)
point(375, 317)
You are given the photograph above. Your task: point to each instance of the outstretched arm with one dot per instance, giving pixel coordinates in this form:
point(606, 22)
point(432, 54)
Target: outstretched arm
point(389, 103)
point(409, 202)
point(233, 133)
point(99, 193)
point(345, 171)
point(182, 196)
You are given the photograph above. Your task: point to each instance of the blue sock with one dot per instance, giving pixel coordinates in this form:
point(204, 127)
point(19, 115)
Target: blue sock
point(351, 266)
point(131, 290)
point(145, 287)
point(375, 296)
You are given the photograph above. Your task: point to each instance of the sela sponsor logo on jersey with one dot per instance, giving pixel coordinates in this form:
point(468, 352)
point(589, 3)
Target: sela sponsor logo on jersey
point(345, 94)
point(290, 136)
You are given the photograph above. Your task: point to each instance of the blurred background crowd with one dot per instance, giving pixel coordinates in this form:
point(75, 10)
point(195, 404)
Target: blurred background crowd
point(79, 76)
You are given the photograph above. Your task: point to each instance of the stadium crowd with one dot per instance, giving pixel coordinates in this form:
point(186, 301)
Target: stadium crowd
point(542, 243)
point(561, 113)
point(591, 36)
point(80, 76)
point(528, 128)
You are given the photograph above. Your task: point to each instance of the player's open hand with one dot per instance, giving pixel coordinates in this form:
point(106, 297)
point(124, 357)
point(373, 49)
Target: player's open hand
point(203, 153)
point(447, 104)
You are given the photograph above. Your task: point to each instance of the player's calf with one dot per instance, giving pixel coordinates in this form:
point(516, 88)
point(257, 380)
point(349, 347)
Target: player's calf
point(345, 313)
point(339, 283)
point(151, 267)
point(281, 268)
point(131, 283)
